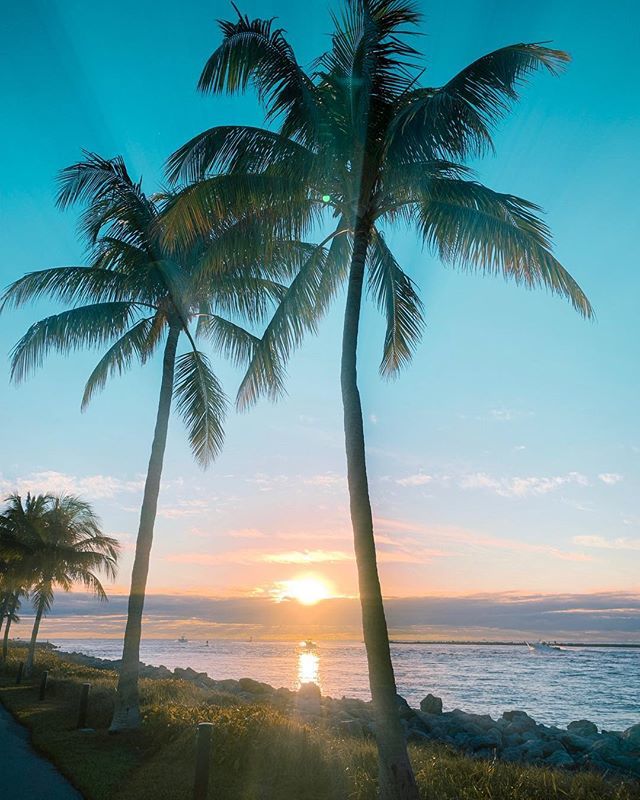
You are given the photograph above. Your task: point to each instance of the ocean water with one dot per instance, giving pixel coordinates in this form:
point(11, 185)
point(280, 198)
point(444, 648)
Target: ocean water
point(596, 683)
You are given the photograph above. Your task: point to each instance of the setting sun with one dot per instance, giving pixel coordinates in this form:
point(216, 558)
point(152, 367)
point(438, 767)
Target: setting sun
point(307, 589)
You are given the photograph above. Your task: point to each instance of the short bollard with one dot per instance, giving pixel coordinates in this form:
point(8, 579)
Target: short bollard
point(203, 758)
point(20, 671)
point(84, 704)
point(43, 685)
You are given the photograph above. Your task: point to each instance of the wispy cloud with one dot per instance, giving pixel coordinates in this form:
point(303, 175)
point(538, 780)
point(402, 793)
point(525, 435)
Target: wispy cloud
point(522, 486)
point(417, 479)
point(600, 542)
point(307, 557)
point(610, 478)
point(93, 487)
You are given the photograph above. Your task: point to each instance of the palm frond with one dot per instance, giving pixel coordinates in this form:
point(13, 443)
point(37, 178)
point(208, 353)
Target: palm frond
point(253, 51)
point(233, 341)
point(318, 276)
point(86, 326)
point(139, 342)
point(202, 404)
point(72, 285)
point(473, 227)
point(398, 300)
point(238, 148)
point(456, 119)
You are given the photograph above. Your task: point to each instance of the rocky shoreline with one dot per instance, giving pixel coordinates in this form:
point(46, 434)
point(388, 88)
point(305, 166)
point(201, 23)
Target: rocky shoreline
point(514, 737)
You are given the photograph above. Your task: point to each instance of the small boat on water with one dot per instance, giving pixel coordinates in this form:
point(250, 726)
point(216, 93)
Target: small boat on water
point(182, 640)
point(543, 647)
point(308, 645)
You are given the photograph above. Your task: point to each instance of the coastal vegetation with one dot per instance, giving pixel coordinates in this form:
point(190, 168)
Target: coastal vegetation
point(258, 751)
point(49, 542)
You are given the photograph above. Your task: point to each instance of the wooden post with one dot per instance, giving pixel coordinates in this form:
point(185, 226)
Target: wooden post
point(20, 671)
point(84, 703)
point(43, 685)
point(203, 758)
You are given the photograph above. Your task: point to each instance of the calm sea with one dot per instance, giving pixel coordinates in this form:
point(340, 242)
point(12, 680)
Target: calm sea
point(600, 684)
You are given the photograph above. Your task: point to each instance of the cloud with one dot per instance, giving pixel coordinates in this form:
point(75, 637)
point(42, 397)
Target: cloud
point(325, 480)
point(521, 486)
point(183, 508)
point(419, 479)
point(307, 557)
point(445, 533)
point(610, 478)
point(621, 543)
point(605, 616)
point(93, 487)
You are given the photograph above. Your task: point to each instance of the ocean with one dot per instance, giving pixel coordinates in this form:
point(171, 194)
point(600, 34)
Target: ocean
point(597, 683)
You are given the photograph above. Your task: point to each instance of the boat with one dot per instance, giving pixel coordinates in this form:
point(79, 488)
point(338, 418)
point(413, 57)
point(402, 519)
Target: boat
point(308, 645)
point(182, 640)
point(543, 647)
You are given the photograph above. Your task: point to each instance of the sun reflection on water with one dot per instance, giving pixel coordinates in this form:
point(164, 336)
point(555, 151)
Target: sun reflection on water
point(309, 667)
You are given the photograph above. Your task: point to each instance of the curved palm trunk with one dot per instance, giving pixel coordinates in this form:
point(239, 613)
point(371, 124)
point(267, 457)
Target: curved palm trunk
point(396, 779)
point(34, 636)
point(5, 639)
point(127, 707)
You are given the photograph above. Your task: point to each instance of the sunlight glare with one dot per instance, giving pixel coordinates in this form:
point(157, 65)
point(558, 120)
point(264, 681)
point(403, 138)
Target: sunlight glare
point(307, 590)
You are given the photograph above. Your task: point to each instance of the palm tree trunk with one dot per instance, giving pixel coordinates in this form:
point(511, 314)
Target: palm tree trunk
point(127, 706)
point(34, 636)
point(5, 639)
point(396, 779)
point(3, 611)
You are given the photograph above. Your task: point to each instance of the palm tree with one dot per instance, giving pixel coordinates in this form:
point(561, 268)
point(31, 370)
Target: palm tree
point(59, 543)
point(362, 139)
point(136, 293)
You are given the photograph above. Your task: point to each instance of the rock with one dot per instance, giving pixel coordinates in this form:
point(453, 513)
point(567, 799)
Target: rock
point(632, 736)
point(491, 739)
point(309, 691)
point(574, 743)
point(431, 704)
point(254, 687)
point(512, 754)
point(404, 709)
point(518, 721)
point(583, 727)
point(560, 758)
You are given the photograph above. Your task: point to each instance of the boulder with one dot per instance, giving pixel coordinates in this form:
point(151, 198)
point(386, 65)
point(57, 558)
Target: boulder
point(583, 727)
point(574, 743)
point(632, 737)
point(404, 709)
point(309, 691)
point(431, 704)
point(559, 758)
point(518, 721)
point(254, 687)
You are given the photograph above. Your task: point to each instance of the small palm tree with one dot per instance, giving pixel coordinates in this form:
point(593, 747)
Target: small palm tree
point(361, 139)
point(58, 543)
point(139, 291)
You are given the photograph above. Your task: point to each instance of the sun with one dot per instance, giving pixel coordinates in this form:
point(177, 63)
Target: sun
point(306, 589)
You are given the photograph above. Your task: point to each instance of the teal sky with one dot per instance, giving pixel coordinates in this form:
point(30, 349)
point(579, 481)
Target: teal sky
point(506, 459)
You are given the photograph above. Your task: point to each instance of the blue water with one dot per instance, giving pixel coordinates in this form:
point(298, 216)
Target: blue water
point(600, 684)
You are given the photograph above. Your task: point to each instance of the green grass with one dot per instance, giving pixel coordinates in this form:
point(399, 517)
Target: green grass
point(258, 753)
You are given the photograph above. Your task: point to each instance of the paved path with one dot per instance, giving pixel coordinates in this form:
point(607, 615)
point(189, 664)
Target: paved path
point(24, 775)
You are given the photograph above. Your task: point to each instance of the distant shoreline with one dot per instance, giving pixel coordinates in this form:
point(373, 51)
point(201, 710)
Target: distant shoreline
point(631, 645)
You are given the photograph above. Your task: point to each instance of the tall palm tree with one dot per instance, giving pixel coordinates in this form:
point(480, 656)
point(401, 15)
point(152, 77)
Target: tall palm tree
point(138, 292)
point(364, 140)
point(59, 543)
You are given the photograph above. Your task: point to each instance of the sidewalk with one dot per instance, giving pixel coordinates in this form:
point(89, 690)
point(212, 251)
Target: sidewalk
point(24, 775)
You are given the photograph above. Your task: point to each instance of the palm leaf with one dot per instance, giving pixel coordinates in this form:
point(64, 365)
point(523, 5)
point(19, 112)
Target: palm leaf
point(396, 297)
point(139, 342)
point(202, 405)
point(456, 119)
point(87, 326)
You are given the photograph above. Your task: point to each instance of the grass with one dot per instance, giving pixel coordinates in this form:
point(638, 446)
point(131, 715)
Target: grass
point(258, 753)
